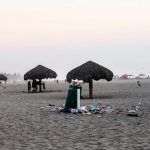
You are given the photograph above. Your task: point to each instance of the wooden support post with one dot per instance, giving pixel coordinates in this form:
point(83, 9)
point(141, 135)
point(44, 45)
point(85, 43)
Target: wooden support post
point(91, 89)
point(40, 85)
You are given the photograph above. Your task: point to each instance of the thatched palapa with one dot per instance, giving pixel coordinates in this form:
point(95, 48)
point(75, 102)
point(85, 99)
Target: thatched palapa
point(88, 72)
point(3, 78)
point(40, 72)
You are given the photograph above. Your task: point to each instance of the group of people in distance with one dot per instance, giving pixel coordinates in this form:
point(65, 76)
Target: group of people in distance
point(33, 86)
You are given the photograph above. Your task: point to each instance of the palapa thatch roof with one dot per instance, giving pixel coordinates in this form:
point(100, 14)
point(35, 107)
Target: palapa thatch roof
point(88, 71)
point(3, 78)
point(40, 72)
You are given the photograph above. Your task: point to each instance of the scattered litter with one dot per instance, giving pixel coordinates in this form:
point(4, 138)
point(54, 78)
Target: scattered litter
point(86, 113)
point(99, 116)
point(74, 111)
point(68, 116)
point(83, 109)
point(98, 108)
point(132, 113)
point(135, 111)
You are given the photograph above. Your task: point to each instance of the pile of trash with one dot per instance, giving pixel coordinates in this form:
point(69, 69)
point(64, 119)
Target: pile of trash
point(96, 108)
point(77, 83)
point(99, 108)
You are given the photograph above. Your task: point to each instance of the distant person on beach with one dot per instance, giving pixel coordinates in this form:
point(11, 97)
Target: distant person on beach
point(29, 86)
point(43, 85)
point(138, 82)
point(34, 86)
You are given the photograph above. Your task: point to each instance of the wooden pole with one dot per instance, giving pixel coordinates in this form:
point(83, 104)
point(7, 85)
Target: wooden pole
point(40, 85)
point(91, 89)
point(5, 85)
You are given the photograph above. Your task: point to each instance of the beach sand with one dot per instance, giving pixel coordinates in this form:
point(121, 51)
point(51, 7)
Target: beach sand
point(26, 122)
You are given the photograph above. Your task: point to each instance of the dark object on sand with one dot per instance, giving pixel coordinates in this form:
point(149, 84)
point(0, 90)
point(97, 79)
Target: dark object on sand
point(3, 78)
point(40, 72)
point(138, 82)
point(51, 105)
point(29, 86)
point(88, 72)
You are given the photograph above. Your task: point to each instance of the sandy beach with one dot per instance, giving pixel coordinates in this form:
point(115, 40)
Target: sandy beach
point(26, 121)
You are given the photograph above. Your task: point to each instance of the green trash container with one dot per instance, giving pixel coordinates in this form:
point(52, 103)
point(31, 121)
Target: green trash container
point(71, 100)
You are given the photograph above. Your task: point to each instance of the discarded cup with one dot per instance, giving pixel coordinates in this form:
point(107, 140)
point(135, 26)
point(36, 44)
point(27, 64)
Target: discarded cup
point(74, 111)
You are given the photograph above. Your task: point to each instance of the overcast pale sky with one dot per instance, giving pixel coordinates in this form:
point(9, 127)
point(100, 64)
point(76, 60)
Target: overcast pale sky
point(63, 34)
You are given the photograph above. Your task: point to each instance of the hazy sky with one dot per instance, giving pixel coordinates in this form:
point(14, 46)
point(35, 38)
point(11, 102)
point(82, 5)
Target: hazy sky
point(63, 34)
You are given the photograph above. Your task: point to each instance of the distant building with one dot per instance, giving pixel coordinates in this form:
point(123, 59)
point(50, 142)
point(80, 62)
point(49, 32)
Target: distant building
point(142, 76)
point(124, 77)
